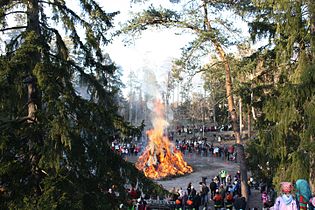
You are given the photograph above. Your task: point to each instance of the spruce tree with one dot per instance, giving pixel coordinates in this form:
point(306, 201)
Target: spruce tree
point(285, 88)
point(54, 142)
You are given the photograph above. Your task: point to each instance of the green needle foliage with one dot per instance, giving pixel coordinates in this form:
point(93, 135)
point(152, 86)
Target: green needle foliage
point(54, 151)
point(283, 90)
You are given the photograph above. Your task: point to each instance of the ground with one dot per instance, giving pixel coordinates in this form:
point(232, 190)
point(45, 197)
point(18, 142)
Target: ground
point(206, 167)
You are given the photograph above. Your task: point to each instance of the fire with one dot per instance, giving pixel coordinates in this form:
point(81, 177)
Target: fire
point(161, 158)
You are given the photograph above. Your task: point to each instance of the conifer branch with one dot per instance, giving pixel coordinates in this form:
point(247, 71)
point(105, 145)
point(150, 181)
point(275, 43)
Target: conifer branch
point(12, 28)
point(18, 120)
point(204, 69)
point(14, 12)
point(65, 8)
point(9, 6)
point(79, 68)
point(11, 44)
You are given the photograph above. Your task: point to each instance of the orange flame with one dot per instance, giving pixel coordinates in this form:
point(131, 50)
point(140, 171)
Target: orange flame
point(161, 158)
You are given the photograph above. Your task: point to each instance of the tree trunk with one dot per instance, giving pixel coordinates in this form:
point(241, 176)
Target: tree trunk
point(249, 123)
point(241, 116)
point(31, 97)
point(312, 166)
point(33, 29)
point(235, 125)
point(312, 32)
point(231, 107)
point(32, 26)
point(311, 6)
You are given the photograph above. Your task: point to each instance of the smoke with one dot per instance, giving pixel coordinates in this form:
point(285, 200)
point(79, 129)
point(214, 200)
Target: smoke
point(155, 95)
point(151, 88)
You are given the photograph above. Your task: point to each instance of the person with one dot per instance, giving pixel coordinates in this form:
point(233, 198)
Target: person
point(193, 191)
point(218, 200)
point(236, 188)
point(264, 199)
point(174, 194)
point(312, 203)
point(271, 195)
point(228, 178)
point(213, 187)
point(197, 201)
point(303, 193)
point(133, 193)
point(240, 203)
point(189, 188)
point(285, 201)
point(223, 174)
point(222, 191)
point(238, 175)
point(184, 199)
point(204, 193)
point(229, 201)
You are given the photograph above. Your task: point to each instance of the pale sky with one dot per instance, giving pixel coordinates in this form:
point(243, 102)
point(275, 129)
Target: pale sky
point(154, 49)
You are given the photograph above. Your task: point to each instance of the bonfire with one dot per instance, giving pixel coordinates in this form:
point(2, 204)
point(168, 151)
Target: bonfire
point(161, 159)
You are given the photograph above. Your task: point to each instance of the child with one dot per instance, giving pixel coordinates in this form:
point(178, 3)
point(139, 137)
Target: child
point(286, 200)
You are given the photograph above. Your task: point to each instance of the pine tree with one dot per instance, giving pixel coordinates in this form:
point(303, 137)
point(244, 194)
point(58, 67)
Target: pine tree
point(213, 33)
point(53, 142)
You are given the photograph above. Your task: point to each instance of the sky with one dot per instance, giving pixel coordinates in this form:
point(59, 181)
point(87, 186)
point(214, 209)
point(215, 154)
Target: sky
point(153, 50)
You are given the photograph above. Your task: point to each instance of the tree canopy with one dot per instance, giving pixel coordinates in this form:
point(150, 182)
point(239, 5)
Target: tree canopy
point(53, 141)
point(283, 87)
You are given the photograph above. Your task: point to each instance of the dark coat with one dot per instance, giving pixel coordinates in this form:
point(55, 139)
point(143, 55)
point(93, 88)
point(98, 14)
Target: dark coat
point(240, 203)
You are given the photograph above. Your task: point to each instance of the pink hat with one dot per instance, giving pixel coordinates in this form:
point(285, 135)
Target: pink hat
point(286, 187)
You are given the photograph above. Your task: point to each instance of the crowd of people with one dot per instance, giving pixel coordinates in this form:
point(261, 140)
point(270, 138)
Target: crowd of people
point(190, 129)
point(205, 148)
point(196, 146)
point(125, 149)
point(224, 192)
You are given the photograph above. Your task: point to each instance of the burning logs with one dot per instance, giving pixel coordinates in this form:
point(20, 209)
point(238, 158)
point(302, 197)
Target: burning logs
point(161, 159)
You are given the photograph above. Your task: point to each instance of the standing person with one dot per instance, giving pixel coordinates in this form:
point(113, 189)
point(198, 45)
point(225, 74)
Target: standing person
point(189, 188)
point(223, 174)
point(204, 194)
point(228, 178)
point(271, 195)
point(238, 175)
point(229, 187)
point(264, 199)
point(230, 152)
point(193, 191)
point(236, 188)
point(303, 193)
point(213, 187)
point(133, 193)
point(222, 191)
point(218, 201)
point(197, 201)
point(229, 201)
point(312, 203)
point(286, 200)
point(240, 203)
